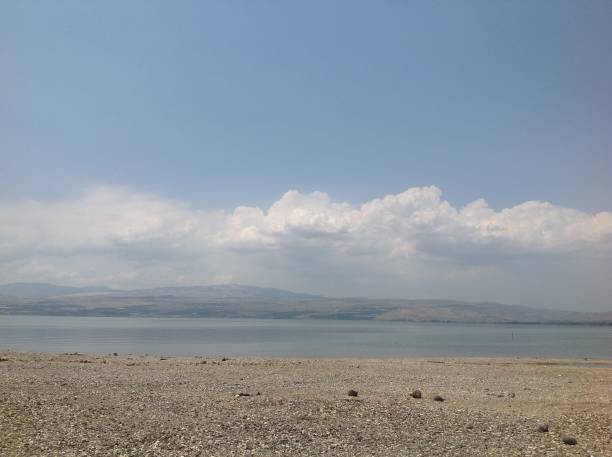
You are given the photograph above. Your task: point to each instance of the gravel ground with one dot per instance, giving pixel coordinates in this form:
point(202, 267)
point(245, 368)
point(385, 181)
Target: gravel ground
point(86, 405)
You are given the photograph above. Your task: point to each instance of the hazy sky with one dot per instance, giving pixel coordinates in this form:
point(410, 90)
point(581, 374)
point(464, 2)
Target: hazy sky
point(405, 149)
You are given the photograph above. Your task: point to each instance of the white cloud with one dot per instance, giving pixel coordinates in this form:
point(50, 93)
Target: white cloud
point(103, 218)
point(417, 222)
point(415, 237)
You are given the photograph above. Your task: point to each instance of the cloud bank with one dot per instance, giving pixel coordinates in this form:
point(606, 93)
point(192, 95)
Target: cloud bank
point(410, 244)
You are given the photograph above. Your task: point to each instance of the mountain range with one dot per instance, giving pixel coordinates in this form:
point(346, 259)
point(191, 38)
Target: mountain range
point(240, 301)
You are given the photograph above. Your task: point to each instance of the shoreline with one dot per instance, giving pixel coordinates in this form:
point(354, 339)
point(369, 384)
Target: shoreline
point(85, 404)
point(27, 355)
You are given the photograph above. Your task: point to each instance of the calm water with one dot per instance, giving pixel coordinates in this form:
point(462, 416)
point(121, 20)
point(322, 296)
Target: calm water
point(298, 338)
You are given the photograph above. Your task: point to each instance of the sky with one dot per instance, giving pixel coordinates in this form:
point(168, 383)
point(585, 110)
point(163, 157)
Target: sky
point(385, 149)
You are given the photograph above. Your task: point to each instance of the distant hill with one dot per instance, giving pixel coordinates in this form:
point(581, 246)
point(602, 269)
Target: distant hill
point(44, 290)
point(239, 301)
point(225, 291)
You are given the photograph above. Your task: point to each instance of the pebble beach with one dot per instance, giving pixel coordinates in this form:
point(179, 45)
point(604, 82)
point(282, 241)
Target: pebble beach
point(122, 405)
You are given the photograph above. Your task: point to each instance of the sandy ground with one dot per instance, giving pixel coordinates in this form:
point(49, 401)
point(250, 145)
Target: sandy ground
point(69, 405)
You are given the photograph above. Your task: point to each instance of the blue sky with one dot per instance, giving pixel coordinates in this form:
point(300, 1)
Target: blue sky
point(227, 103)
point(217, 105)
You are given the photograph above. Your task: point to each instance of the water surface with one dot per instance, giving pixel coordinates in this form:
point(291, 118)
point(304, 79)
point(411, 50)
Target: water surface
point(299, 338)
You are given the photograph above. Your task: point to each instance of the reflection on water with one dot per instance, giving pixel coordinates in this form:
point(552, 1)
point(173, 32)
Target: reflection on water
point(299, 338)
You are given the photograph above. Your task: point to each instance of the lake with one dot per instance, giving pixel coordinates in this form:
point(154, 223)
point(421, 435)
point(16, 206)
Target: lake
point(299, 338)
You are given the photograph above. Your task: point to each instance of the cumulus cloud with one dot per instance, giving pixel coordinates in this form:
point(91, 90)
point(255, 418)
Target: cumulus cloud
point(417, 222)
point(103, 218)
point(116, 235)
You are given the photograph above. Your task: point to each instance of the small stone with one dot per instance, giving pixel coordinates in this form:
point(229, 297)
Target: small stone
point(512, 395)
point(543, 428)
point(416, 394)
point(438, 398)
point(570, 440)
point(224, 359)
point(243, 394)
point(352, 393)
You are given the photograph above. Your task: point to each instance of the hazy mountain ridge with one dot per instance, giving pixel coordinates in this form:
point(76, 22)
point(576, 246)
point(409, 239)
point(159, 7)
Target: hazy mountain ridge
point(44, 290)
point(239, 301)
